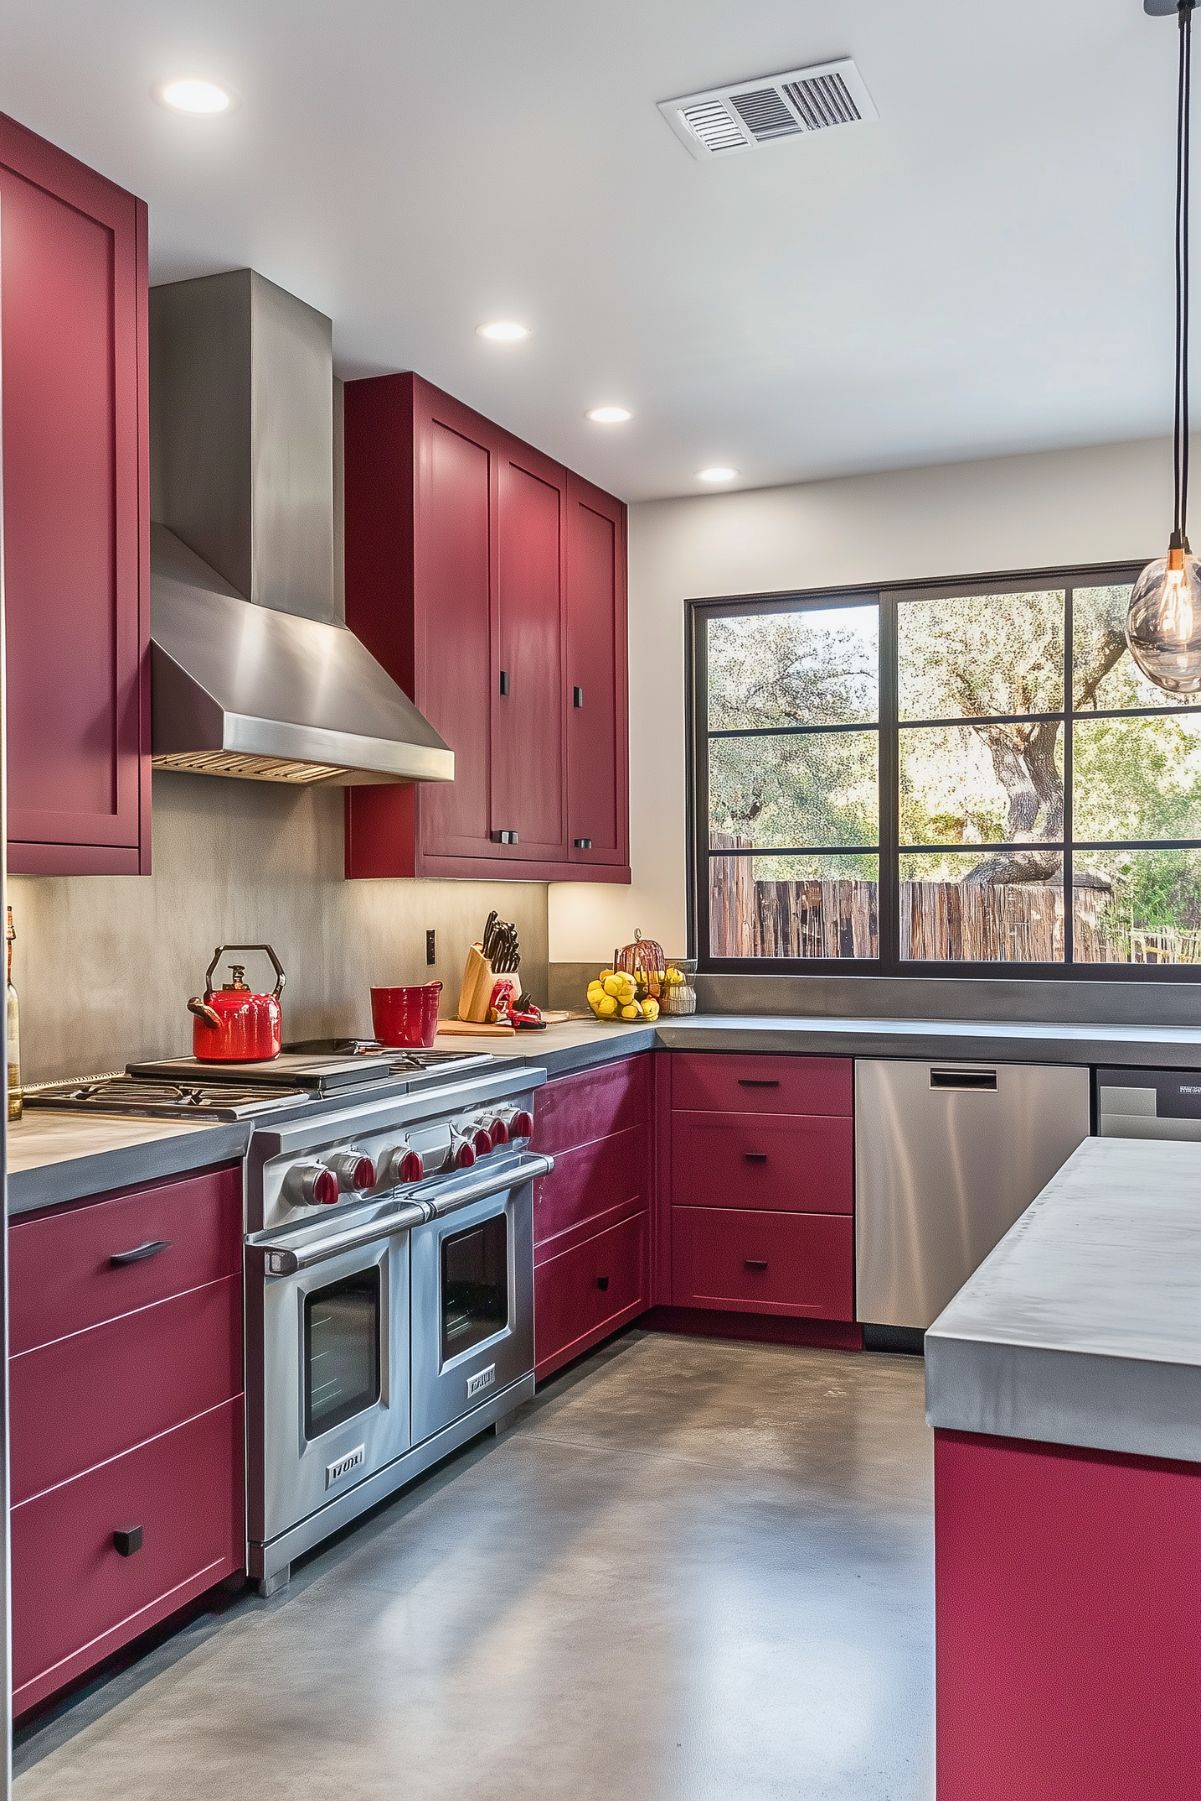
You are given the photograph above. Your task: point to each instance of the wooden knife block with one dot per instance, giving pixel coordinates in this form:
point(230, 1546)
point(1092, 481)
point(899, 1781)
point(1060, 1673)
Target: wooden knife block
point(475, 990)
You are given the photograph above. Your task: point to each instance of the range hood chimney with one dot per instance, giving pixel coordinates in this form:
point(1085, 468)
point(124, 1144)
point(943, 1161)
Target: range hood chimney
point(254, 672)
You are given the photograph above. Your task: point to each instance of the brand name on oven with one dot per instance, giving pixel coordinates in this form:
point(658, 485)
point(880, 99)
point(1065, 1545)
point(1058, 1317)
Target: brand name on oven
point(353, 1460)
point(483, 1379)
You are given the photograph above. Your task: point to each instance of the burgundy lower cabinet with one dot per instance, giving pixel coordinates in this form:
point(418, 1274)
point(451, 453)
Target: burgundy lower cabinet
point(127, 1453)
point(756, 1175)
point(738, 1261)
point(1068, 1623)
point(592, 1218)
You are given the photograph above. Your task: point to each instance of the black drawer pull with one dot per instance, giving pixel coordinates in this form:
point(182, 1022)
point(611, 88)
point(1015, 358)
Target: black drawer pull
point(140, 1252)
point(602, 1282)
point(758, 1082)
point(127, 1540)
point(577, 697)
point(582, 843)
point(504, 681)
point(754, 1263)
point(755, 1156)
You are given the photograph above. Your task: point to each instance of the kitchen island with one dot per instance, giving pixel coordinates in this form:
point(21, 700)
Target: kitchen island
point(1064, 1387)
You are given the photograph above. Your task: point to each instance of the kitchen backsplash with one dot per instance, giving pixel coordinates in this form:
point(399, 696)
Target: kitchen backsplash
point(104, 965)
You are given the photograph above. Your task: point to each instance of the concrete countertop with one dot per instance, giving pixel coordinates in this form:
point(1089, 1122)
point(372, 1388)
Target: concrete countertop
point(58, 1157)
point(1083, 1327)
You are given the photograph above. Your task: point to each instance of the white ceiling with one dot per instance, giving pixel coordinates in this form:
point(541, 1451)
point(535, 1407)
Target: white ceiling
point(984, 270)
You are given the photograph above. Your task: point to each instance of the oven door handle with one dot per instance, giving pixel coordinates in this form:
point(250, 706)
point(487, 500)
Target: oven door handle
point(448, 1197)
point(283, 1259)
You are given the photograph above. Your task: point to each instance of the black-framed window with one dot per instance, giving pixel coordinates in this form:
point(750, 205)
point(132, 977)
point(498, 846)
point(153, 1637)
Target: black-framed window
point(970, 775)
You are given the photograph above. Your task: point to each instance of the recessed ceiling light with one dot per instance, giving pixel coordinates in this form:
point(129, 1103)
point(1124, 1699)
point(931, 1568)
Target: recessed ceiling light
point(719, 473)
point(610, 415)
point(503, 331)
point(191, 95)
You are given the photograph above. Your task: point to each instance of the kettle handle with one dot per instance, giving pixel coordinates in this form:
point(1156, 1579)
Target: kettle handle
point(220, 951)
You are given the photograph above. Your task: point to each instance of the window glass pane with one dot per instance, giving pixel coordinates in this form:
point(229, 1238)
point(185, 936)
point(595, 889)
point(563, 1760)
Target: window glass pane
point(1104, 674)
point(981, 907)
point(964, 784)
point(969, 656)
point(819, 788)
point(794, 906)
point(1137, 906)
point(1137, 778)
point(819, 666)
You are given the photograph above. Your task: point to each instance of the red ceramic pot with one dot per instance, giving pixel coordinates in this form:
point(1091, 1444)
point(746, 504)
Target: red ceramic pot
point(406, 1017)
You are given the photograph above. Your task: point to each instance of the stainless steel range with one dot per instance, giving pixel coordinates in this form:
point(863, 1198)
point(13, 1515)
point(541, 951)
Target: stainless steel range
point(389, 1295)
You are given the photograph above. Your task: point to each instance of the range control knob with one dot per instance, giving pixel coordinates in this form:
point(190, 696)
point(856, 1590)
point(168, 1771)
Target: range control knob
point(499, 1132)
point(521, 1124)
point(403, 1164)
point(310, 1185)
point(353, 1170)
point(462, 1153)
point(481, 1141)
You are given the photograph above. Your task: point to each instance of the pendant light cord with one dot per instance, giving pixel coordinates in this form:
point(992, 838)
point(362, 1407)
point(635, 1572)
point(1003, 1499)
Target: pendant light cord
point(1180, 447)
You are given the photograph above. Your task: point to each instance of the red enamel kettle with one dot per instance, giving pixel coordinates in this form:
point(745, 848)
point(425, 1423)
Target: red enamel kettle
point(232, 1024)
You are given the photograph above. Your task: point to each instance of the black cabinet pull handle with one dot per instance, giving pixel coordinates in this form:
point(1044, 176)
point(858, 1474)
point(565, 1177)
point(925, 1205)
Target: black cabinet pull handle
point(504, 837)
point(755, 1156)
point(754, 1262)
point(140, 1252)
point(582, 843)
point(758, 1082)
point(602, 1282)
point(577, 697)
point(504, 681)
point(127, 1540)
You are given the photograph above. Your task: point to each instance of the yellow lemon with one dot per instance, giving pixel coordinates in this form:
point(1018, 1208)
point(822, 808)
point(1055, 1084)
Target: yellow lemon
point(613, 985)
point(650, 1009)
point(595, 990)
point(630, 1012)
point(606, 1006)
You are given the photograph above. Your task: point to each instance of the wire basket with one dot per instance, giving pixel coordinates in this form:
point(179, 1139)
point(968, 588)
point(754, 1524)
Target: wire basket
point(679, 998)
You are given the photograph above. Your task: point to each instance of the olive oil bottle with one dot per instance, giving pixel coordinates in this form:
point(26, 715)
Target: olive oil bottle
point(13, 1026)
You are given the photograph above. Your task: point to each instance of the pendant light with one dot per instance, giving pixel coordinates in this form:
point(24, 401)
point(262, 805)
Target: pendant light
point(1163, 626)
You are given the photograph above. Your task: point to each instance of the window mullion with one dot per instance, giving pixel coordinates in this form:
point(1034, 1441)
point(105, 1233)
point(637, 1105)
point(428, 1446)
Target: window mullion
point(889, 790)
point(1069, 696)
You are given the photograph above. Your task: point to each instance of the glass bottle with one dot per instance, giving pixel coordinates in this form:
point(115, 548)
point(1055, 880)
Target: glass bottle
point(13, 1029)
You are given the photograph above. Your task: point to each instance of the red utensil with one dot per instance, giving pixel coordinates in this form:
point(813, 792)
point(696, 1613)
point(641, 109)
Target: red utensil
point(406, 1017)
point(232, 1024)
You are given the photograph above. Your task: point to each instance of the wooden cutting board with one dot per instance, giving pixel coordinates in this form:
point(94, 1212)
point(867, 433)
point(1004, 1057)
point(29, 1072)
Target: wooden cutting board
point(465, 1028)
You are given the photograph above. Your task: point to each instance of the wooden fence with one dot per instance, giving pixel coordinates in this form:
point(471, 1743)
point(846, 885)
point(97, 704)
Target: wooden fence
point(941, 922)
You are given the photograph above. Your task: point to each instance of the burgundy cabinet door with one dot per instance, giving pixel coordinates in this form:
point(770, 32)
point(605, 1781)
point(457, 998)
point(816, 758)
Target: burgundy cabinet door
point(73, 316)
point(597, 714)
point(528, 817)
point(454, 576)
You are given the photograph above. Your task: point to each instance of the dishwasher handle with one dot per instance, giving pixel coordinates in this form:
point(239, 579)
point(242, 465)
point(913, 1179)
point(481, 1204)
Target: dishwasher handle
point(964, 1081)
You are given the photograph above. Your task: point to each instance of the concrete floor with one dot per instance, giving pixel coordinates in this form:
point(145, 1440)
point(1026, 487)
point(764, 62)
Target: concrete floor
point(695, 1571)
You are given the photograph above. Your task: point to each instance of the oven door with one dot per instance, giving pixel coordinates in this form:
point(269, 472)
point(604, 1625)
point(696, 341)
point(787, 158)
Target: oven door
point(333, 1402)
point(472, 1328)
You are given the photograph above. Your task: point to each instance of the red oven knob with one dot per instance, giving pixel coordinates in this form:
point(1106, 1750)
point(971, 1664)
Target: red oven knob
point(521, 1125)
point(499, 1132)
point(405, 1164)
point(353, 1170)
point(463, 1155)
point(481, 1139)
point(311, 1185)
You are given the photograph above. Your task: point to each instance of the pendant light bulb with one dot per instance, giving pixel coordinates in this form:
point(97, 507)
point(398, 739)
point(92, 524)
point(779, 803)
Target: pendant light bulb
point(1163, 626)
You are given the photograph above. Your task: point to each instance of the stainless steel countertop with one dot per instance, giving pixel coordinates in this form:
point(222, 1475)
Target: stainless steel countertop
point(1083, 1327)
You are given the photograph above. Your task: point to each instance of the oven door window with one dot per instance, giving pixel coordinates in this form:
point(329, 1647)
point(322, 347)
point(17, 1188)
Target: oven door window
point(342, 1325)
point(475, 1285)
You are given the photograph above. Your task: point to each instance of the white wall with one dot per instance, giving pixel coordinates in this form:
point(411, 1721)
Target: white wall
point(1109, 504)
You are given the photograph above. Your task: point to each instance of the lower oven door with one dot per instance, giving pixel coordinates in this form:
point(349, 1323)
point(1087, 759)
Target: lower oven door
point(473, 1306)
point(332, 1401)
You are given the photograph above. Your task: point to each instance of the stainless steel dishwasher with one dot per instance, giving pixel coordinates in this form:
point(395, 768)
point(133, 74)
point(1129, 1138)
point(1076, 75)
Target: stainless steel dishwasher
point(947, 1155)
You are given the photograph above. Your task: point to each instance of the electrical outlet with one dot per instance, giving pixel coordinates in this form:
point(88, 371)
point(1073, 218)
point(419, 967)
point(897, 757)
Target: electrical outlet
point(431, 947)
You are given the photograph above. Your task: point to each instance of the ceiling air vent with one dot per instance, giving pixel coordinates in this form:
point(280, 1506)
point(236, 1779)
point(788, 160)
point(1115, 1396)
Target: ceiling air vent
point(754, 114)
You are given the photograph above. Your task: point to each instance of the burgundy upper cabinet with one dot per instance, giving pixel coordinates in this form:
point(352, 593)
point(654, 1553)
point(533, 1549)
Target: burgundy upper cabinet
point(73, 340)
point(461, 563)
point(597, 718)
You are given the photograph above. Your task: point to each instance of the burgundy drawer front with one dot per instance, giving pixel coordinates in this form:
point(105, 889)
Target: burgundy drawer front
point(75, 1597)
point(595, 1103)
point(591, 1183)
point(84, 1399)
point(589, 1292)
point(739, 1084)
point(801, 1264)
point(61, 1274)
point(796, 1163)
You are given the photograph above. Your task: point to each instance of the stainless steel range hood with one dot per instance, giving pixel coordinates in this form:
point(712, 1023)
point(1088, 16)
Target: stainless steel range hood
point(254, 672)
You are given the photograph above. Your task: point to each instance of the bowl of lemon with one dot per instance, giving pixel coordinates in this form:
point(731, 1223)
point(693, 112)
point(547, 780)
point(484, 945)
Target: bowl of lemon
point(614, 998)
